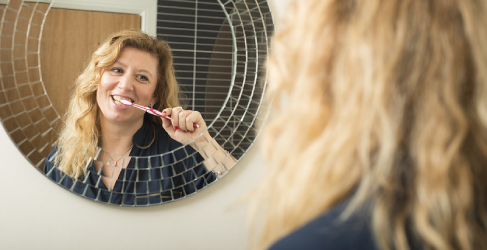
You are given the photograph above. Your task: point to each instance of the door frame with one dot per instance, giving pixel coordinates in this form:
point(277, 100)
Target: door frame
point(146, 9)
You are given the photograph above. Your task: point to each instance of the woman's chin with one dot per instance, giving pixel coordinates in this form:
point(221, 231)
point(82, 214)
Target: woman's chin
point(125, 120)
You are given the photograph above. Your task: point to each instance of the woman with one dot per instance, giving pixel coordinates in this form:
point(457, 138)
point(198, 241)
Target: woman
point(105, 147)
point(388, 104)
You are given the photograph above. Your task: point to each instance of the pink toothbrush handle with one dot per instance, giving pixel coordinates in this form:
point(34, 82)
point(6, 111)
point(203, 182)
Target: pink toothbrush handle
point(157, 113)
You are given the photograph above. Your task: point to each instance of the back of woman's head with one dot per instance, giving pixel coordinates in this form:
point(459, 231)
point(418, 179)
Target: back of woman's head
point(389, 105)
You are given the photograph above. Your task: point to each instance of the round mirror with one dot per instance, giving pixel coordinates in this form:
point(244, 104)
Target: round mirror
point(218, 49)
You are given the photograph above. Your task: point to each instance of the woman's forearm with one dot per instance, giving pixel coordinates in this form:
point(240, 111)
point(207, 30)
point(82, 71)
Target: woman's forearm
point(216, 158)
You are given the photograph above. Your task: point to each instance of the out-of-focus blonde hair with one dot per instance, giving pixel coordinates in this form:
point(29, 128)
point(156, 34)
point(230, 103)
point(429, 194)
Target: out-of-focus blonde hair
point(79, 139)
point(384, 101)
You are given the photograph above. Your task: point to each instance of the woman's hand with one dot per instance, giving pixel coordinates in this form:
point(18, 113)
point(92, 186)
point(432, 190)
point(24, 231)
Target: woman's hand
point(181, 127)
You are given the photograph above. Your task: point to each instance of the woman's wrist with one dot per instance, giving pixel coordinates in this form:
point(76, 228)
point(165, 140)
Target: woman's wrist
point(202, 141)
point(221, 169)
point(217, 159)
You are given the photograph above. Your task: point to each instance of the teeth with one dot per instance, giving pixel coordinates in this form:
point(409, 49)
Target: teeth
point(117, 99)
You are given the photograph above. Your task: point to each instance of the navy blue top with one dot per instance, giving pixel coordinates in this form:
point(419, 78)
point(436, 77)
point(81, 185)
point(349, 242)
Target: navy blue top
point(328, 231)
point(163, 177)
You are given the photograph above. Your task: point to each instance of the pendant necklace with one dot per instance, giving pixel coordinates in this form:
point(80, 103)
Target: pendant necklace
point(115, 163)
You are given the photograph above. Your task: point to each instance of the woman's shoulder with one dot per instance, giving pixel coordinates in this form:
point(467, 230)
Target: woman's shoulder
point(52, 172)
point(331, 232)
point(49, 162)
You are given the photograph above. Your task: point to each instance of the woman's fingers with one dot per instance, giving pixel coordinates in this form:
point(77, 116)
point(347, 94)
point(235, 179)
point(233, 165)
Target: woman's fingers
point(167, 123)
point(183, 123)
point(182, 120)
point(182, 117)
point(192, 119)
point(175, 117)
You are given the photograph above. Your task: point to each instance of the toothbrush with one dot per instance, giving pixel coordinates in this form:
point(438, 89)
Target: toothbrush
point(149, 110)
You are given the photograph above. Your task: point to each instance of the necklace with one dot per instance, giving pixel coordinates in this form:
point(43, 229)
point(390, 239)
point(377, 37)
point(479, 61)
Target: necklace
point(115, 162)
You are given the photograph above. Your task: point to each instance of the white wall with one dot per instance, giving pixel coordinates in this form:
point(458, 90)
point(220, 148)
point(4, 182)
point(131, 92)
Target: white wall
point(37, 214)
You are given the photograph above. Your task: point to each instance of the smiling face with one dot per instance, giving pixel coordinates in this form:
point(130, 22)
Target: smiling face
point(133, 77)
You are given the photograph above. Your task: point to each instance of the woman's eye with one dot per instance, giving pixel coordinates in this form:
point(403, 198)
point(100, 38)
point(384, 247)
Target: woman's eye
point(143, 78)
point(116, 70)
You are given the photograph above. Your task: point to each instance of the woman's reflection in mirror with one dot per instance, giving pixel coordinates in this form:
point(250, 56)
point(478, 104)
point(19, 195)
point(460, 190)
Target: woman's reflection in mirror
point(119, 154)
point(385, 122)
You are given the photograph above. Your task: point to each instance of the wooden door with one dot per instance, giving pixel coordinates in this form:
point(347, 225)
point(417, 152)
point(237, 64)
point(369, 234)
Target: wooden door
point(68, 40)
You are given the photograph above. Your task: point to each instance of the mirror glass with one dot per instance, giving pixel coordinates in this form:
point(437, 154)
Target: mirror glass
point(219, 48)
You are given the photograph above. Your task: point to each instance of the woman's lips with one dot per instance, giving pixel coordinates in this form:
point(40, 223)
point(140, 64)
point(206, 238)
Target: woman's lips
point(117, 98)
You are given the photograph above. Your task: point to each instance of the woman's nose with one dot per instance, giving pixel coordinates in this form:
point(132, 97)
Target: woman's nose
point(126, 82)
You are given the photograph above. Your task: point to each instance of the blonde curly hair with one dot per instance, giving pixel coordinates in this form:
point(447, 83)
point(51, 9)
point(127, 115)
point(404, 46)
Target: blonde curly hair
point(383, 101)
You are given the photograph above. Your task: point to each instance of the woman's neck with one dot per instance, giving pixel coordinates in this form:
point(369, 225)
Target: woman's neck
point(117, 137)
